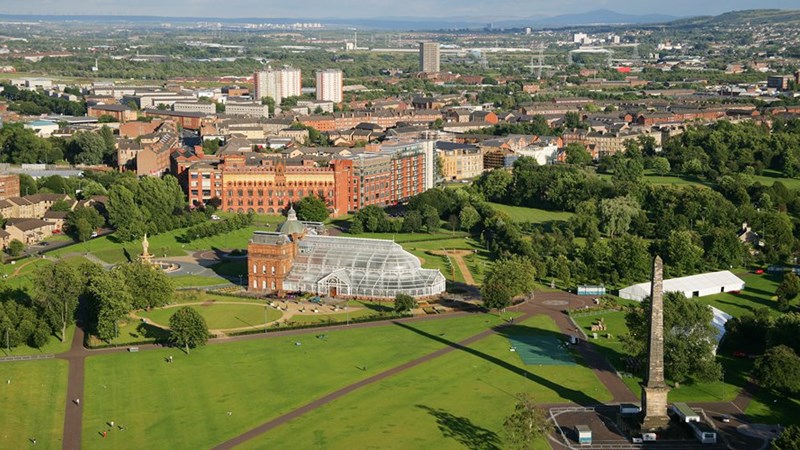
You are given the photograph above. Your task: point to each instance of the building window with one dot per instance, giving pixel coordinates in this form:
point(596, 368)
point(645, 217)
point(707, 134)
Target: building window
point(254, 269)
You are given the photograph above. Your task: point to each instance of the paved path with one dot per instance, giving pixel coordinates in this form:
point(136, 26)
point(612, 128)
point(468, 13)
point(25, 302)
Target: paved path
point(458, 257)
point(73, 413)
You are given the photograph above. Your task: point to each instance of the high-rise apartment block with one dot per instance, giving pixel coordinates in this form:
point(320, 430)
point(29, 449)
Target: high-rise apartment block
point(277, 83)
point(291, 82)
point(428, 57)
point(329, 85)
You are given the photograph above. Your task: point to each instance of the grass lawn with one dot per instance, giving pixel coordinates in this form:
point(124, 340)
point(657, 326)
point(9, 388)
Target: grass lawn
point(197, 281)
point(185, 404)
point(759, 292)
point(767, 407)
point(220, 316)
point(456, 401)
point(109, 250)
point(367, 310)
point(524, 214)
point(769, 177)
point(33, 403)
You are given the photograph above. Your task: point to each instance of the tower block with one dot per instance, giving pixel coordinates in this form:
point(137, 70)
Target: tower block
point(654, 388)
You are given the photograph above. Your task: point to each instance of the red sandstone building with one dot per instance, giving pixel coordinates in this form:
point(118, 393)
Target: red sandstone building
point(269, 183)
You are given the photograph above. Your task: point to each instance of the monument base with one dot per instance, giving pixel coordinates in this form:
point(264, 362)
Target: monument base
point(654, 413)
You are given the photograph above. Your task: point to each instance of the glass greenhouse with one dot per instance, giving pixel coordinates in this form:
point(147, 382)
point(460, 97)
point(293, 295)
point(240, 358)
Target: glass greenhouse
point(344, 266)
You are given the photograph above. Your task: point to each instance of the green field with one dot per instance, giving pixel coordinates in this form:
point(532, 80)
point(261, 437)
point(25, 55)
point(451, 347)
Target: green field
point(759, 292)
point(456, 401)
point(197, 281)
point(524, 214)
point(33, 403)
point(184, 404)
point(221, 316)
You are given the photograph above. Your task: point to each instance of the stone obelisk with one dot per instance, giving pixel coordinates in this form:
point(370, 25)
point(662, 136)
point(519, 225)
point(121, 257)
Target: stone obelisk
point(654, 389)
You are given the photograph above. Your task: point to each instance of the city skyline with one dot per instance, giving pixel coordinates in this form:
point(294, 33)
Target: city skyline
point(319, 9)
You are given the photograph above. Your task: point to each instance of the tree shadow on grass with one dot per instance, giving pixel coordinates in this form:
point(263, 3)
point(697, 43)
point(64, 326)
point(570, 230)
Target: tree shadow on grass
point(463, 430)
point(571, 395)
point(150, 331)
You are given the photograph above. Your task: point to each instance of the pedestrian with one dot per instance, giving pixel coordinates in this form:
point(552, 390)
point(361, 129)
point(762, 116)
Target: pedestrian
point(78, 401)
point(105, 433)
point(111, 423)
point(34, 441)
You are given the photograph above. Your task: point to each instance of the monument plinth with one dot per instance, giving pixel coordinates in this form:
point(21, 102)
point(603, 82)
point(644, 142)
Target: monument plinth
point(654, 388)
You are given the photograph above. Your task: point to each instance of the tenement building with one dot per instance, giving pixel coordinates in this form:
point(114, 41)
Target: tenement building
point(294, 259)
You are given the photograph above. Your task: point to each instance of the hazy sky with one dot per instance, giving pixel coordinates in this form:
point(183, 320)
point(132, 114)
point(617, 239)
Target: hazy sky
point(379, 8)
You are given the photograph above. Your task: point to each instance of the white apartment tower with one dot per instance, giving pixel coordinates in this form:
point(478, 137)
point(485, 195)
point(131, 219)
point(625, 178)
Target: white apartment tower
point(329, 85)
point(428, 57)
point(291, 82)
point(268, 84)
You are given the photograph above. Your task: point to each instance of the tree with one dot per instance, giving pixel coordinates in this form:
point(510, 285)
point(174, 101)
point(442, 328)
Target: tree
point(82, 222)
point(661, 165)
point(779, 369)
point(188, 328)
point(124, 213)
point(789, 439)
point(270, 102)
point(748, 332)
point(27, 185)
point(151, 286)
point(789, 287)
point(507, 278)
point(684, 256)
point(577, 154)
point(431, 217)
point(494, 185)
point(617, 213)
point(526, 424)
point(15, 247)
point(110, 149)
point(86, 148)
point(412, 221)
point(56, 288)
point(404, 303)
point(468, 217)
point(211, 146)
point(312, 208)
point(109, 301)
point(689, 337)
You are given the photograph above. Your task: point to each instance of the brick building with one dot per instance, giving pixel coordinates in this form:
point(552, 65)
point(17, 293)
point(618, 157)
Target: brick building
point(9, 186)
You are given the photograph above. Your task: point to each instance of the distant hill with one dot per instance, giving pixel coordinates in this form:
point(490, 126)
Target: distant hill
point(603, 17)
point(751, 16)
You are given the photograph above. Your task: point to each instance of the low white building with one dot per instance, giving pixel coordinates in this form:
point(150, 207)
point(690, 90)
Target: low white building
point(692, 286)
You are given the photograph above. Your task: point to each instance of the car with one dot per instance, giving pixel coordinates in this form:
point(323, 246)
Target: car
point(739, 354)
point(637, 440)
point(725, 418)
point(94, 234)
point(214, 217)
point(759, 271)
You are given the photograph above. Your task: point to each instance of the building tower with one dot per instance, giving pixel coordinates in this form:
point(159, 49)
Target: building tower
point(267, 83)
point(428, 57)
point(654, 389)
point(291, 83)
point(329, 85)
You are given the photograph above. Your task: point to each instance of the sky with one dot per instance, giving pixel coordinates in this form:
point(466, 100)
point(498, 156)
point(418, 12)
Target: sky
point(492, 9)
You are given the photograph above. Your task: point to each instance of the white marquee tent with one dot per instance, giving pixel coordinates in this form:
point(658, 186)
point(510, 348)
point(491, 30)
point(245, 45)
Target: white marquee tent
point(692, 286)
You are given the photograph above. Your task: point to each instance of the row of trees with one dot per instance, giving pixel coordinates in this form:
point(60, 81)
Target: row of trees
point(21, 145)
point(148, 205)
point(35, 103)
point(208, 229)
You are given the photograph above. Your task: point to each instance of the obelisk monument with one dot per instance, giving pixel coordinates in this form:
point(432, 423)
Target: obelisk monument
point(654, 389)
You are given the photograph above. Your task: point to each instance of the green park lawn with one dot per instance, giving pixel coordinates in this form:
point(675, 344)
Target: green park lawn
point(184, 281)
point(33, 403)
point(759, 292)
point(220, 316)
point(185, 404)
point(535, 215)
point(456, 401)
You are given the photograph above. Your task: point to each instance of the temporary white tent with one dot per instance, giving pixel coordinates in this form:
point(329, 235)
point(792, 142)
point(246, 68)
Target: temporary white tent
point(692, 286)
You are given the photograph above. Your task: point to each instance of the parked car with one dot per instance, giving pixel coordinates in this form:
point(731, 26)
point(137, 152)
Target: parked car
point(759, 271)
point(725, 418)
point(94, 234)
point(739, 354)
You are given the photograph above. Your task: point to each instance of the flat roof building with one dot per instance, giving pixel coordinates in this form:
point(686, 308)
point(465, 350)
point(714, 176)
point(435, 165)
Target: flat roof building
point(428, 57)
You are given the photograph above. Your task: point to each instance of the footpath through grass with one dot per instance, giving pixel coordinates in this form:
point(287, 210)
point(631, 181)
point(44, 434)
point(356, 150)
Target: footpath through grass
point(185, 404)
point(32, 403)
point(456, 401)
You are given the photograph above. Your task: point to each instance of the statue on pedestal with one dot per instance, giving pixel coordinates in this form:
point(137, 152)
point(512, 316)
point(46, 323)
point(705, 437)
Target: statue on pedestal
point(146, 257)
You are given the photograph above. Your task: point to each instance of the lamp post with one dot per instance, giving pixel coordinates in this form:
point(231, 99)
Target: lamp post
point(266, 328)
